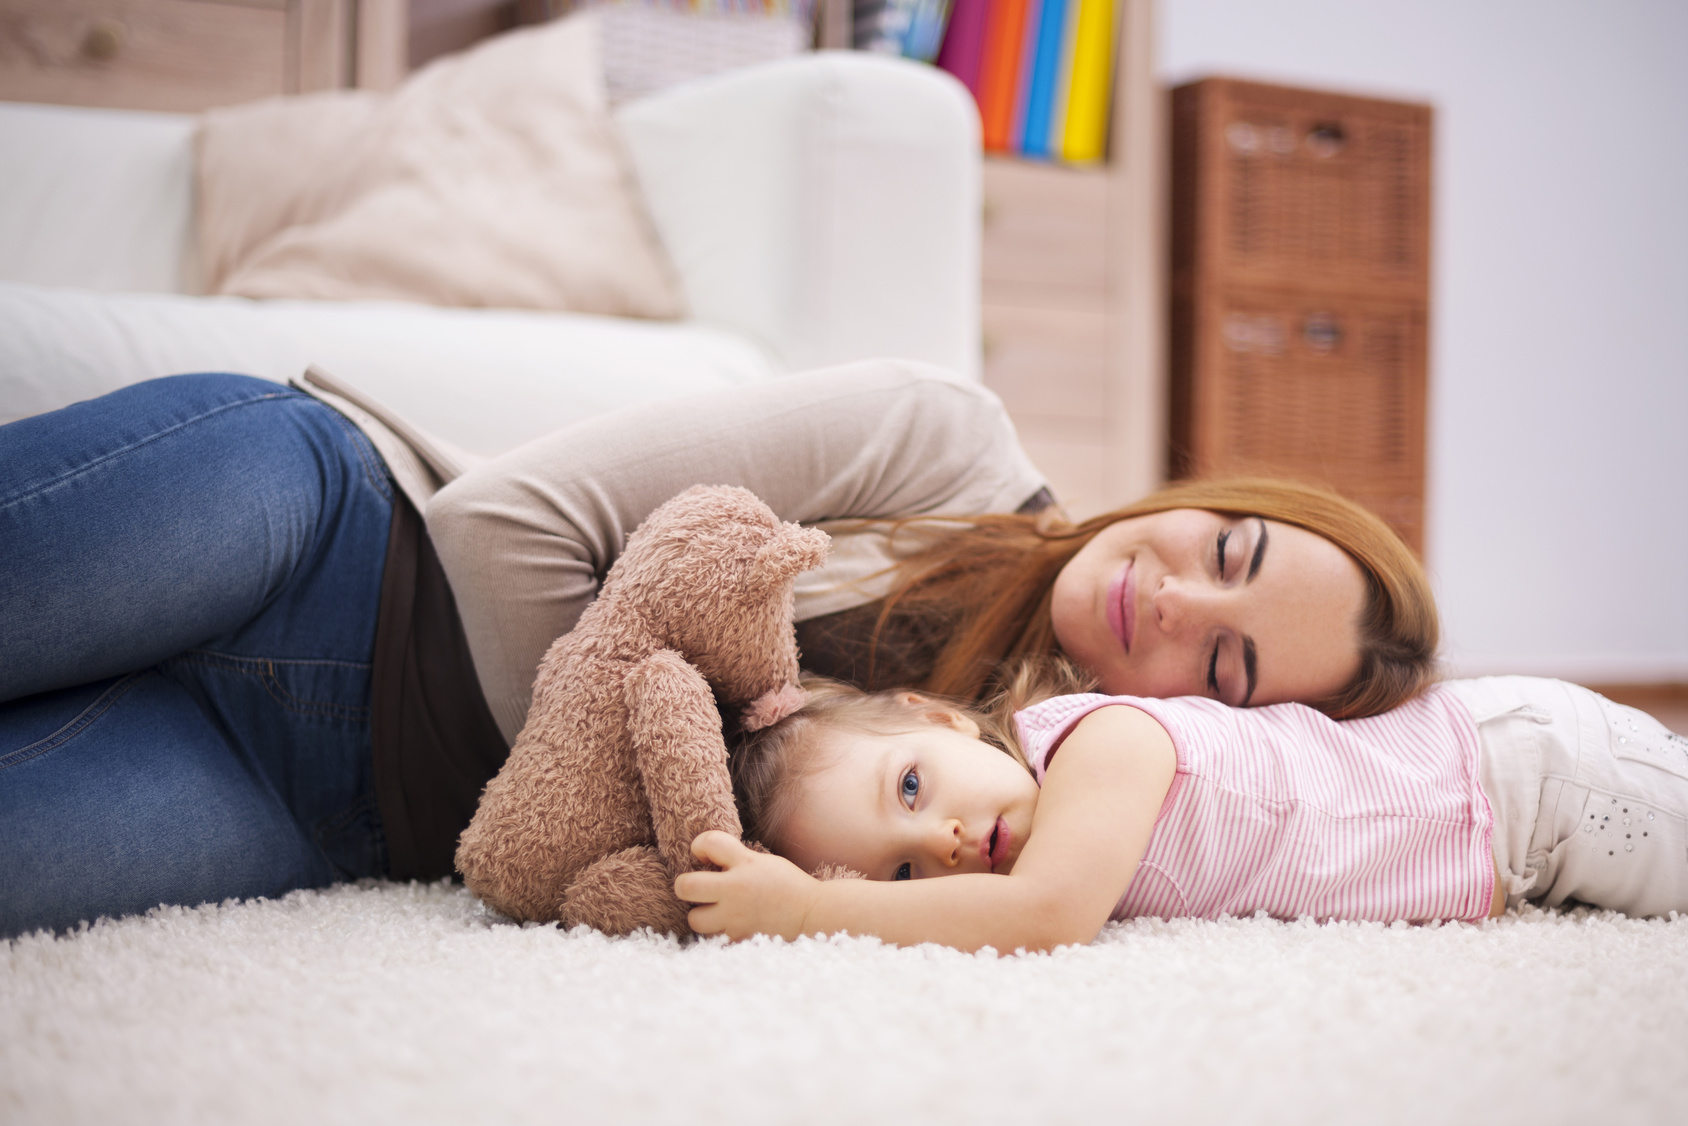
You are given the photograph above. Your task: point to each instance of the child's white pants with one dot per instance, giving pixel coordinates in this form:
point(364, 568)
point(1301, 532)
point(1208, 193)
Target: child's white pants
point(1590, 797)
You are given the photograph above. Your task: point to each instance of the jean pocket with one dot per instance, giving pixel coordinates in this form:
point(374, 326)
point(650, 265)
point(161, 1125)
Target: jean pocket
point(334, 690)
point(354, 840)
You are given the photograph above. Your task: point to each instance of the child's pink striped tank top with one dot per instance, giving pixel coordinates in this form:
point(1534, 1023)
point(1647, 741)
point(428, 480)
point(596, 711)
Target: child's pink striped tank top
point(1284, 810)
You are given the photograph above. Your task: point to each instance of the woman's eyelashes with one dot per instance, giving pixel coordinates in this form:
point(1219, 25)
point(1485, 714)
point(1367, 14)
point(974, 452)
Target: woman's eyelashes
point(1223, 538)
point(908, 789)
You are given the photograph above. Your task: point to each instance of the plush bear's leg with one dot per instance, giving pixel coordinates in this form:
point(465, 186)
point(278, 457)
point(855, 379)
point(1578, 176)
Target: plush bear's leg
point(623, 892)
point(676, 734)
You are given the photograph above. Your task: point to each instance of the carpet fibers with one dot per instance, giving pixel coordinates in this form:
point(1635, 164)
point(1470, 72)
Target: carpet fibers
point(410, 1004)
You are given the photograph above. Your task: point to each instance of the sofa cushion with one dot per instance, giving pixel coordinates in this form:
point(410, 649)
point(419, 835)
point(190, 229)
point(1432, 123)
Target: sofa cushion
point(491, 178)
point(485, 380)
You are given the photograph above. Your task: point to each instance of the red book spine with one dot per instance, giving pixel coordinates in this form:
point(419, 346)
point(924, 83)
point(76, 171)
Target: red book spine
point(999, 71)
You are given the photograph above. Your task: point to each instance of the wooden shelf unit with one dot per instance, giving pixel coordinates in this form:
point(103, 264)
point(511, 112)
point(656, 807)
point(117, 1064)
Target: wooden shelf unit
point(1074, 295)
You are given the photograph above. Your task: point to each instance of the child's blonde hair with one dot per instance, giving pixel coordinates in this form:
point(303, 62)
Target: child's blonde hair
point(769, 765)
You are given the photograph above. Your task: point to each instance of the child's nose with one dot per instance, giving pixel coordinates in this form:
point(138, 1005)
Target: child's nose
point(945, 844)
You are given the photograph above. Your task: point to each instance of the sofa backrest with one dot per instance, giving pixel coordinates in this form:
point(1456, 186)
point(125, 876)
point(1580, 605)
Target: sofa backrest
point(96, 198)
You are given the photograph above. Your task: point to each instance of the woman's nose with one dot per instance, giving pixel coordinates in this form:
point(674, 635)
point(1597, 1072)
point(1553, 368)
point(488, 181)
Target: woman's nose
point(945, 842)
point(1180, 604)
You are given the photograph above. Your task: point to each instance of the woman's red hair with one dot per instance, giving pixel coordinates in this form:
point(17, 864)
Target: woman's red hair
point(986, 587)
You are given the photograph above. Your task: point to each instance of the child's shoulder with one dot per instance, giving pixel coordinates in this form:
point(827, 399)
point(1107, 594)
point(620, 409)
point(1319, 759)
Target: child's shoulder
point(1045, 725)
point(1201, 726)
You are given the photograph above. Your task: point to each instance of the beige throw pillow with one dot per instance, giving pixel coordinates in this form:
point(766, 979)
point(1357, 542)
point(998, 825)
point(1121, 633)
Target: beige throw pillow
point(491, 178)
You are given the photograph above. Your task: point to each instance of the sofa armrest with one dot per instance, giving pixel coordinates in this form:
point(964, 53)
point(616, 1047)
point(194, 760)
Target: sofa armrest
point(827, 206)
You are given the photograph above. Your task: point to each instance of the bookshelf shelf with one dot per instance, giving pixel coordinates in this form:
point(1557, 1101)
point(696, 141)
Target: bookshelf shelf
point(1073, 262)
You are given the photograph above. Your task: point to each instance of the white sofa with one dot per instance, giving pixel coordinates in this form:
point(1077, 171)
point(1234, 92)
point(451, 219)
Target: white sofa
point(818, 210)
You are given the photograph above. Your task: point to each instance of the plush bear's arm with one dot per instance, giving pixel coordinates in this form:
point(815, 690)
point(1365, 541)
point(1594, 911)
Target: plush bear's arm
point(682, 758)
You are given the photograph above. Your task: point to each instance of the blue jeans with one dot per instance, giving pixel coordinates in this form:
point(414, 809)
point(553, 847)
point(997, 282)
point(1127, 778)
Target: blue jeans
point(190, 573)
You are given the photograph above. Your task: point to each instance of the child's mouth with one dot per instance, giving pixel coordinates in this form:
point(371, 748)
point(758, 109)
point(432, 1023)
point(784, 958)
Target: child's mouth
point(997, 845)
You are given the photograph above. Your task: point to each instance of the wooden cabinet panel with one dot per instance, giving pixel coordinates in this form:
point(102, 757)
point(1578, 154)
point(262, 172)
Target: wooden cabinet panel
point(1077, 464)
point(1046, 319)
point(1047, 362)
point(188, 55)
point(179, 55)
point(1043, 238)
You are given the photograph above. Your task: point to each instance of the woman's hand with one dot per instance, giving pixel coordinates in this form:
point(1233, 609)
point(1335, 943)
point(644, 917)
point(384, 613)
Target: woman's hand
point(753, 893)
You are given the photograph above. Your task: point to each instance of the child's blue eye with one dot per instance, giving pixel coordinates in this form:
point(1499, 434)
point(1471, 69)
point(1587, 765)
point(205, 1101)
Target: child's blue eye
point(910, 788)
point(904, 872)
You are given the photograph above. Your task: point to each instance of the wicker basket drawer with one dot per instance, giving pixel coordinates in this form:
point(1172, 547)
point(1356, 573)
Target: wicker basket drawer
point(178, 55)
point(1288, 188)
point(1327, 390)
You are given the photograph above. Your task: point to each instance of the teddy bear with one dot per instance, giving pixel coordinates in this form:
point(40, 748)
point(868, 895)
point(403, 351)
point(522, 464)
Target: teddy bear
point(622, 761)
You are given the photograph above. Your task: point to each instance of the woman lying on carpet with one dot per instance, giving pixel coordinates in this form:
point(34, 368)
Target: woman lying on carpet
point(1060, 812)
point(256, 638)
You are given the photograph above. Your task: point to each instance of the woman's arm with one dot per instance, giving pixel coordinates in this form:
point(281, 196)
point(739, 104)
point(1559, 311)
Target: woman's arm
point(525, 539)
point(1094, 818)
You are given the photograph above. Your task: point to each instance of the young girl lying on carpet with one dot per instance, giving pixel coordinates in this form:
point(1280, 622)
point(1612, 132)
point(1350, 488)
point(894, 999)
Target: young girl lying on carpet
point(1059, 812)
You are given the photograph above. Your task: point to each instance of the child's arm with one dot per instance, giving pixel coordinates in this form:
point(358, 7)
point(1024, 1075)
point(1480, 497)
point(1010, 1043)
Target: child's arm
point(1094, 817)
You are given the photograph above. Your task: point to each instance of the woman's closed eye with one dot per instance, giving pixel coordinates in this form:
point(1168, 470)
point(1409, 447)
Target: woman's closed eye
point(1223, 538)
point(908, 789)
point(1230, 671)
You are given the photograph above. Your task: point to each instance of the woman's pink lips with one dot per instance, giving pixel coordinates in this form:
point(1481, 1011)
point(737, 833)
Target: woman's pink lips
point(1122, 605)
point(995, 846)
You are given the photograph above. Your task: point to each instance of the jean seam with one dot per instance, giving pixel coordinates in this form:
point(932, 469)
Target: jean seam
point(7, 502)
point(264, 671)
point(75, 727)
point(375, 468)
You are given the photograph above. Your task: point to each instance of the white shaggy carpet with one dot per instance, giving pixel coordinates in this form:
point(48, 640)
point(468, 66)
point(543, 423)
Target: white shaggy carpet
point(409, 1004)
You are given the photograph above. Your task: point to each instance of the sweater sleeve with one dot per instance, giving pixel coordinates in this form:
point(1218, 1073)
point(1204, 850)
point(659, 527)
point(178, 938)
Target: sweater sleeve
point(526, 538)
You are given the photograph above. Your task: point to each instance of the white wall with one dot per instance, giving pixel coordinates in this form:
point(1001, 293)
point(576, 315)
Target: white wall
point(1558, 518)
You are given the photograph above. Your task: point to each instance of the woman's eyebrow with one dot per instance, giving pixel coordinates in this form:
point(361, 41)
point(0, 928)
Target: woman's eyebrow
point(1254, 564)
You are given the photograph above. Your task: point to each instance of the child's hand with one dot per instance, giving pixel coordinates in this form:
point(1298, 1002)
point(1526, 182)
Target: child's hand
point(754, 893)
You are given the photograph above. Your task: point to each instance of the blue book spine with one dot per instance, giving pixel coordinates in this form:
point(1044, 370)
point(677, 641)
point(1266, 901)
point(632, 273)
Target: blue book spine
point(1040, 97)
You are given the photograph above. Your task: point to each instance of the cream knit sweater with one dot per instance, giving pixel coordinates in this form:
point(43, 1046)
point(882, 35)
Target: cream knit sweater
point(526, 538)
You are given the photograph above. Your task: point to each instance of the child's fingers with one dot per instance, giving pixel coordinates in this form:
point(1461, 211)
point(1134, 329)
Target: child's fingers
point(694, 887)
point(720, 849)
point(705, 920)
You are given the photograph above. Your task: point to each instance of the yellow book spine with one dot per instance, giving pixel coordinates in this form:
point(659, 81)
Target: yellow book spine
point(1086, 134)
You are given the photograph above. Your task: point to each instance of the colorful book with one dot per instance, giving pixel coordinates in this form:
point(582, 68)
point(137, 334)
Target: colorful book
point(1085, 136)
point(925, 33)
point(964, 42)
point(1023, 79)
point(999, 71)
point(1045, 71)
point(1063, 82)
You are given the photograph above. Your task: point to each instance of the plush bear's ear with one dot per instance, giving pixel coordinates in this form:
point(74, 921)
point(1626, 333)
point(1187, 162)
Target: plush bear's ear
point(771, 707)
point(793, 550)
point(836, 872)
